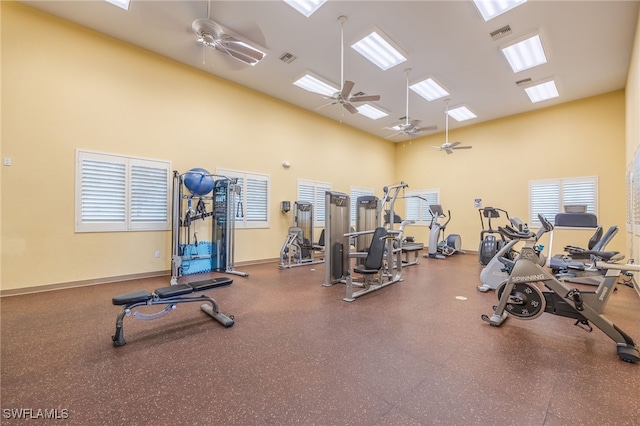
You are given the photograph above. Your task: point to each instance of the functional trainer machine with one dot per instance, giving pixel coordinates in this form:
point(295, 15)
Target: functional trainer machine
point(521, 298)
point(299, 248)
point(446, 247)
point(193, 256)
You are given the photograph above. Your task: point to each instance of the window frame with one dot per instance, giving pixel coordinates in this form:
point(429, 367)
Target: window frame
point(318, 201)
point(354, 193)
point(423, 217)
point(243, 221)
point(128, 193)
point(555, 206)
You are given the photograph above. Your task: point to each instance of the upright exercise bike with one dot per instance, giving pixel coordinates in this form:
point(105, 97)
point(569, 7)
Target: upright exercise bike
point(446, 247)
point(520, 297)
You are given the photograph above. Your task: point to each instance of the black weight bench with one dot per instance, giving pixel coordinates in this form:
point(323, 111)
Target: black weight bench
point(169, 296)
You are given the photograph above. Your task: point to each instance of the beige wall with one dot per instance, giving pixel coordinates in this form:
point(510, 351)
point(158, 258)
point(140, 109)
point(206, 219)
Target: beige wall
point(582, 138)
point(84, 90)
point(633, 125)
point(65, 87)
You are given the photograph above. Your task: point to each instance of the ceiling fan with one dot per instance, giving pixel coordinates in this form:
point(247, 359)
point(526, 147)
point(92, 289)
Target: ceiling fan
point(213, 35)
point(409, 128)
point(447, 146)
point(343, 96)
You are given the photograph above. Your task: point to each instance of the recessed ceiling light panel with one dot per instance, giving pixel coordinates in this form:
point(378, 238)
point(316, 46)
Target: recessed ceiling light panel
point(123, 4)
point(542, 92)
point(306, 7)
point(315, 84)
point(489, 9)
point(371, 112)
point(525, 54)
point(461, 113)
point(429, 89)
point(377, 47)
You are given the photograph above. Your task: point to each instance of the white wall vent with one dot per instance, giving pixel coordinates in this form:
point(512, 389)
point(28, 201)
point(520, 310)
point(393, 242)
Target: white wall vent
point(500, 32)
point(287, 58)
point(523, 81)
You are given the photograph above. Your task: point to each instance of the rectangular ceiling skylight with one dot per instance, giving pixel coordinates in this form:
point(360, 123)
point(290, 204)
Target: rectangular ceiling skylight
point(380, 49)
point(542, 92)
point(491, 8)
point(525, 54)
point(306, 7)
point(371, 112)
point(461, 113)
point(316, 85)
point(429, 89)
point(124, 4)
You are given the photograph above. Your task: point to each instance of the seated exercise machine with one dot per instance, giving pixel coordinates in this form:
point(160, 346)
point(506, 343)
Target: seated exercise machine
point(577, 265)
point(497, 271)
point(169, 296)
point(489, 244)
point(522, 298)
point(374, 275)
point(338, 256)
point(299, 249)
point(446, 247)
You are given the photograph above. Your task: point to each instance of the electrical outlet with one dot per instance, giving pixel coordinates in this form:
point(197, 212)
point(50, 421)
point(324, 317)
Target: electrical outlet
point(157, 254)
point(6, 161)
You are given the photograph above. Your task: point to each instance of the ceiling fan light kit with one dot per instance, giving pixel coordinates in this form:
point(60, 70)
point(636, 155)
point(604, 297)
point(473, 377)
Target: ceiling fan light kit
point(213, 35)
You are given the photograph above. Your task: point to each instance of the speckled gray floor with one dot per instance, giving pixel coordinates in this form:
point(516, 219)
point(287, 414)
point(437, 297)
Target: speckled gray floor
point(409, 354)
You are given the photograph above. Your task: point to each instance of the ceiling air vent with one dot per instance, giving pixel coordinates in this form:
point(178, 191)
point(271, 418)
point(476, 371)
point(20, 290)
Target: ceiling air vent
point(523, 81)
point(287, 58)
point(500, 32)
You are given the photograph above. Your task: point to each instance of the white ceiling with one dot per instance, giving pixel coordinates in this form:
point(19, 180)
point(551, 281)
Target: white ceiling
point(588, 46)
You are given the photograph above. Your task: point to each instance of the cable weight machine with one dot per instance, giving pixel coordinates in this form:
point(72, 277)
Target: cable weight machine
point(210, 202)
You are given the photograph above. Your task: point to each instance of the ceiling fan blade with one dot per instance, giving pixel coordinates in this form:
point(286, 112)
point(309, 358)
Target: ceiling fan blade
point(429, 128)
point(453, 144)
point(366, 98)
point(346, 89)
point(350, 108)
point(449, 151)
point(462, 147)
point(241, 50)
point(322, 106)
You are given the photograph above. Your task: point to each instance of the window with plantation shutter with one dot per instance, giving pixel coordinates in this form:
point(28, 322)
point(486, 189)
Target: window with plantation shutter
point(119, 193)
point(355, 193)
point(548, 197)
point(251, 208)
point(417, 205)
point(315, 193)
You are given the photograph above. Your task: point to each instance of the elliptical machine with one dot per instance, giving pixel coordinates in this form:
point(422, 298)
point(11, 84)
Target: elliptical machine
point(489, 244)
point(497, 271)
point(440, 249)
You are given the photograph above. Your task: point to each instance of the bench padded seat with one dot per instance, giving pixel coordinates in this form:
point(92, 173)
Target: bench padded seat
point(209, 284)
point(173, 290)
point(128, 298)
